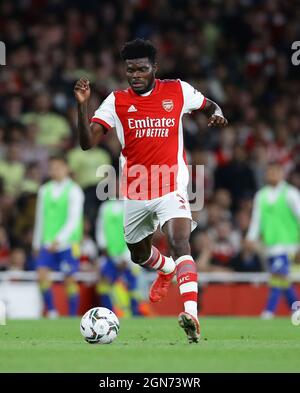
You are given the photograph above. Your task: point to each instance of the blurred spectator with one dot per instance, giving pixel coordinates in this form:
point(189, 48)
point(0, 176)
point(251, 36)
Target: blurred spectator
point(24, 214)
point(17, 259)
point(226, 244)
point(202, 250)
point(210, 215)
point(227, 141)
point(34, 152)
point(236, 52)
point(217, 247)
point(247, 260)
point(242, 221)
point(4, 249)
point(12, 170)
point(32, 179)
point(84, 169)
point(236, 176)
point(2, 143)
point(53, 128)
point(223, 199)
point(88, 249)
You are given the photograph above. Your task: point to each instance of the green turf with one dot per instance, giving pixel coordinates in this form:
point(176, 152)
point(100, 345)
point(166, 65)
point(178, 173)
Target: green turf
point(152, 345)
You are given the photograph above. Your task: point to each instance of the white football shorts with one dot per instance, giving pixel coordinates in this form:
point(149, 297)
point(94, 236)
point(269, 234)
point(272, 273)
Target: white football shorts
point(142, 217)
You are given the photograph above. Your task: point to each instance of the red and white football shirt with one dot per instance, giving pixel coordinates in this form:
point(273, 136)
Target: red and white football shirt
point(149, 128)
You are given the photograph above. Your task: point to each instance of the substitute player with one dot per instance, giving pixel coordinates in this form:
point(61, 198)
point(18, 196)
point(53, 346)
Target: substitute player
point(58, 232)
point(276, 221)
point(148, 121)
point(117, 265)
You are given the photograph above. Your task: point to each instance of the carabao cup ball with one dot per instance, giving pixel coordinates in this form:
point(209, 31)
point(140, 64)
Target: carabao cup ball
point(99, 325)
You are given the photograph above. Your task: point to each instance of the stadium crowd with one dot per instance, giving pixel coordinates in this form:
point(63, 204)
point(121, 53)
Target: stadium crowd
point(237, 52)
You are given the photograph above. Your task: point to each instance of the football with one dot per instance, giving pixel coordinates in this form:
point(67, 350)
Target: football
point(99, 325)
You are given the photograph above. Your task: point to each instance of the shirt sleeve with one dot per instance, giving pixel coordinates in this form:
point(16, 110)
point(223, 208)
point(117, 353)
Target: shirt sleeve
point(254, 227)
point(293, 197)
point(75, 212)
point(38, 224)
point(192, 98)
point(105, 114)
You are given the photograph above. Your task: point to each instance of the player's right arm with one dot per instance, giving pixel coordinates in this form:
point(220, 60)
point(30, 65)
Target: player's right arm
point(89, 135)
point(194, 100)
point(253, 233)
point(293, 198)
point(38, 223)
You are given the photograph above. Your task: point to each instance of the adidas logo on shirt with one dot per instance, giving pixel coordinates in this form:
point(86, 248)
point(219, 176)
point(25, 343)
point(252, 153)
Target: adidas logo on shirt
point(132, 109)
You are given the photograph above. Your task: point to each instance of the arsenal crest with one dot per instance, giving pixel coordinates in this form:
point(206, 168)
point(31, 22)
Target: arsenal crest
point(168, 105)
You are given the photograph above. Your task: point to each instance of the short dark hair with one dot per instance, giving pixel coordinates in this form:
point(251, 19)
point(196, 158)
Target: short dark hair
point(58, 157)
point(138, 48)
point(273, 163)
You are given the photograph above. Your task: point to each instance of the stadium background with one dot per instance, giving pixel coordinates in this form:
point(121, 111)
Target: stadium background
point(237, 53)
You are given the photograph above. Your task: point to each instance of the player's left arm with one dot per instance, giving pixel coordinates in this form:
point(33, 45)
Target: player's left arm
point(38, 223)
point(214, 114)
point(293, 198)
point(194, 100)
point(253, 234)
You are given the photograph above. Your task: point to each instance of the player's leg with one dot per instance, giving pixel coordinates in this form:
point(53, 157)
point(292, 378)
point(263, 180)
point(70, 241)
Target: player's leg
point(72, 289)
point(69, 265)
point(178, 232)
point(173, 212)
point(139, 225)
point(289, 291)
point(290, 294)
point(104, 288)
point(146, 255)
point(278, 283)
point(275, 289)
point(141, 251)
point(44, 265)
point(130, 279)
point(149, 257)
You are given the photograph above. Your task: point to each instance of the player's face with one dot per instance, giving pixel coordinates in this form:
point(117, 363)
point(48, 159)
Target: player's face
point(58, 170)
point(140, 74)
point(274, 175)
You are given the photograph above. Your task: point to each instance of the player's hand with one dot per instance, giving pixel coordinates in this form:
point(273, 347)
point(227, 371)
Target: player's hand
point(217, 121)
point(82, 90)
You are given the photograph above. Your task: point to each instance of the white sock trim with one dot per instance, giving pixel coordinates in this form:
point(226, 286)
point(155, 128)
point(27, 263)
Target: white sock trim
point(156, 266)
point(169, 266)
point(191, 308)
point(188, 287)
point(184, 258)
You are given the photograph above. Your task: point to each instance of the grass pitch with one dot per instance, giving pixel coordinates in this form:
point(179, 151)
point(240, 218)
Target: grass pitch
point(152, 345)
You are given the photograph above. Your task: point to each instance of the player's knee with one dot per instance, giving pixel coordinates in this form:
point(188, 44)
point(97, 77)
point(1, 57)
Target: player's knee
point(139, 257)
point(43, 276)
point(179, 246)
